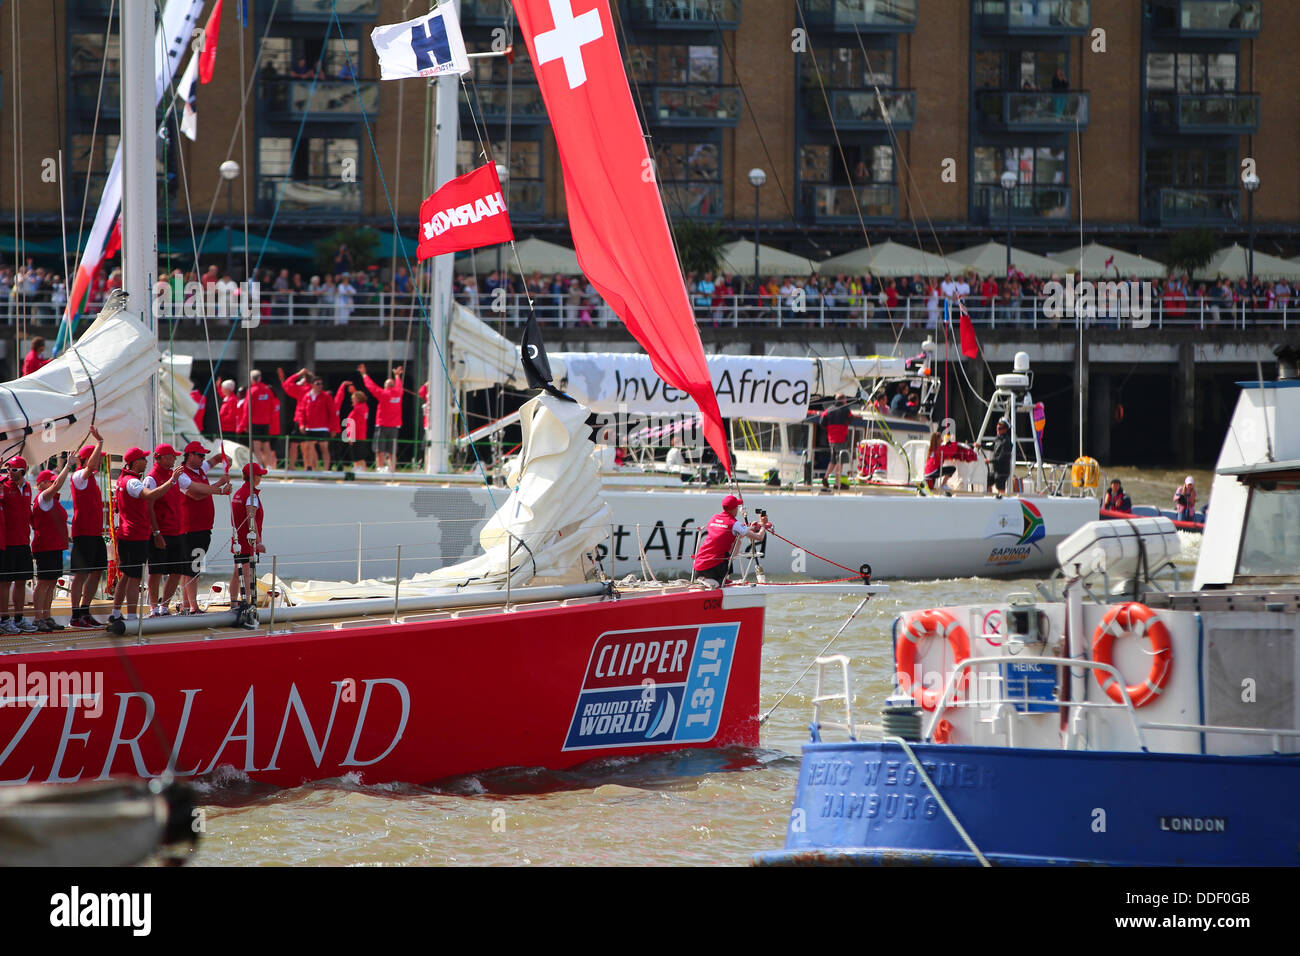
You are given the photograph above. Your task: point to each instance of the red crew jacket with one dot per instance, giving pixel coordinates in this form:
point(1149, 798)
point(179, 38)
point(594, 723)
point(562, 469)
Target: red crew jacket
point(49, 528)
point(357, 421)
point(388, 410)
point(720, 537)
point(239, 503)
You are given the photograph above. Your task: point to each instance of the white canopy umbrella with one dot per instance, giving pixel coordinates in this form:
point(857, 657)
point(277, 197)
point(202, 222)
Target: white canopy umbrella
point(737, 258)
point(887, 259)
point(990, 258)
point(1094, 258)
point(1230, 263)
point(535, 255)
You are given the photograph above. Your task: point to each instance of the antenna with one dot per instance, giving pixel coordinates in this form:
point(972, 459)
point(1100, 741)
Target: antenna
point(1263, 398)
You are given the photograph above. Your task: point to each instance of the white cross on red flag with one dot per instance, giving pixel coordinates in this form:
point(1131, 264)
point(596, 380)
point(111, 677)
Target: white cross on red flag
point(620, 231)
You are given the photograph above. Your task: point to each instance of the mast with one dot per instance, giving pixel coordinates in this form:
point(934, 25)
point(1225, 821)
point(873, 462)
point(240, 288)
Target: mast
point(446, 135)
point(139, 179)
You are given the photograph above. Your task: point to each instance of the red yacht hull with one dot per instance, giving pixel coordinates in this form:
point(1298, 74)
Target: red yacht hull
point(412, 702)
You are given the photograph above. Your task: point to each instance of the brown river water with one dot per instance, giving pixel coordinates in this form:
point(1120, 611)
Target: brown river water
point(692, 808)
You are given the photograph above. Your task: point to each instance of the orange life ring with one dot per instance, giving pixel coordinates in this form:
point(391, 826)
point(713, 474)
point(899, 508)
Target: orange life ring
point(916, 625)
point(1137, 620)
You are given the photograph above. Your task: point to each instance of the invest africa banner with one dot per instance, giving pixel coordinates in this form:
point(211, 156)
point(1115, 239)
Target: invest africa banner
point(757, 388)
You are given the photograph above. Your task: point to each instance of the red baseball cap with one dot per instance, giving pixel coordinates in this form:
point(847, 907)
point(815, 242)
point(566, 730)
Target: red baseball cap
point(17, 461)
point(165, 449)
point(46, 475)
point(194, 447)
point(254, 468)
point(731, 501)
point(134, 453)
point(86, 452)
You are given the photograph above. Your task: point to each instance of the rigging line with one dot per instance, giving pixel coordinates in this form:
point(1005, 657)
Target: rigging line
point(14, 296)
point(1078, 148)
point(392, 211)
point(243, 108)
point(58, 136)
point(397, 188)
point(90, 156)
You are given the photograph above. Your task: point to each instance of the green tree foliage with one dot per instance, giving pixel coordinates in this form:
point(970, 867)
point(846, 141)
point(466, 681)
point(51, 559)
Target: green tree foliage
point(1190, 250)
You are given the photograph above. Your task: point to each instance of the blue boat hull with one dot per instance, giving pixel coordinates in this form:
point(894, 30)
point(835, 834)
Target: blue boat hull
point(864, 803)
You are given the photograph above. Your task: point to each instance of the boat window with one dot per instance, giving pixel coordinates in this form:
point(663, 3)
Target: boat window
point(1269, 543)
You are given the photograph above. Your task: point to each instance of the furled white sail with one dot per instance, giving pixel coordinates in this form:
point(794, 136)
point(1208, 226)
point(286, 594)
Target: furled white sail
point(553, 516)
point(105, 377)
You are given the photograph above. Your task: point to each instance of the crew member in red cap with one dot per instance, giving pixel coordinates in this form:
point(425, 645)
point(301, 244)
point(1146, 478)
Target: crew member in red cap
point(18, 548)
point(388, 416)
point(49, 540)
point(168, 556)
point(135, 516)
point(724, 531)
point(246, 520)
point(199, 512)
point(89, 555)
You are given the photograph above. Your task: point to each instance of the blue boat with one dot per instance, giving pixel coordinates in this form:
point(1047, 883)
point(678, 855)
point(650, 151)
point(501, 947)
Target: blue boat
point(1118, 717)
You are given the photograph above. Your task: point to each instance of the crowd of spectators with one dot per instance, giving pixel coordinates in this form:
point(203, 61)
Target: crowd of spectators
point(37, 293)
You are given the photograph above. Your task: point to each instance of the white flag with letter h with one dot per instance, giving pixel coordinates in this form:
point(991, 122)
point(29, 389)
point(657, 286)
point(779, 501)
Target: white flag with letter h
point(426, 46)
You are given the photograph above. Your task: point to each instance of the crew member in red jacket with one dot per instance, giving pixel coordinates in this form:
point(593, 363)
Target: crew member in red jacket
point(168, 557)
point(388, 416)
point(228, 413)
point(356, 425)
point(246, 523)
point(49, 541)
point(200, 400)
point(316, 417)
point(35, 360)
point(89, 555)
point(261, 409)
point(18, 549)
point(723, 532)
point(199, 513)
point(135, 518)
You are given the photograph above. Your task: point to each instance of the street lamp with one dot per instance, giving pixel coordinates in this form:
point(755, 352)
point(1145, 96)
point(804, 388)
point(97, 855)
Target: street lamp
point(1009, 180)
point(1250, 182)
point(229, 172)
point(756, 179)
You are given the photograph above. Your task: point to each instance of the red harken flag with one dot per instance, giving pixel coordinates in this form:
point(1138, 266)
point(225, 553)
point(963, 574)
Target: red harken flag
point(617, 219)
point(464, 213)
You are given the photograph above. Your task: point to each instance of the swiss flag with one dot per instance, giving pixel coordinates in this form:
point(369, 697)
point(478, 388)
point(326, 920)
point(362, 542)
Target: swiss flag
point(620, 232)
point(464, 213)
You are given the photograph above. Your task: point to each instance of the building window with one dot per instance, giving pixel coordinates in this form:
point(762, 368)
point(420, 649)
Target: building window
point(848, 68)
point(89, 53)
point(1043, 176)
point(526, 187)
point(675, 63)
point(690, 176)
point(299, 57)
point(90, 167)
point(1191, 167)
point(1019, 69)
point(1192, 72)
point(322, 179)
point(839, 185)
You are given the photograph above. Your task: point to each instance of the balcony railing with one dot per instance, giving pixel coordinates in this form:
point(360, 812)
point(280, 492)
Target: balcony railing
point(819, 310)
point(860, 109)
point(523, 105)
point(845, 203)
point(1204, 112)
point(685, 14)
point(1205, 206)
point(1227, 19)
point(484, 12)
point(866, 16)
point(1030, 202)
point(358, 10)
point(1035, 17)
point(321, 197)
point(699, 200)
point(1032, 112)
point(695, 105)
point(321, 101)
